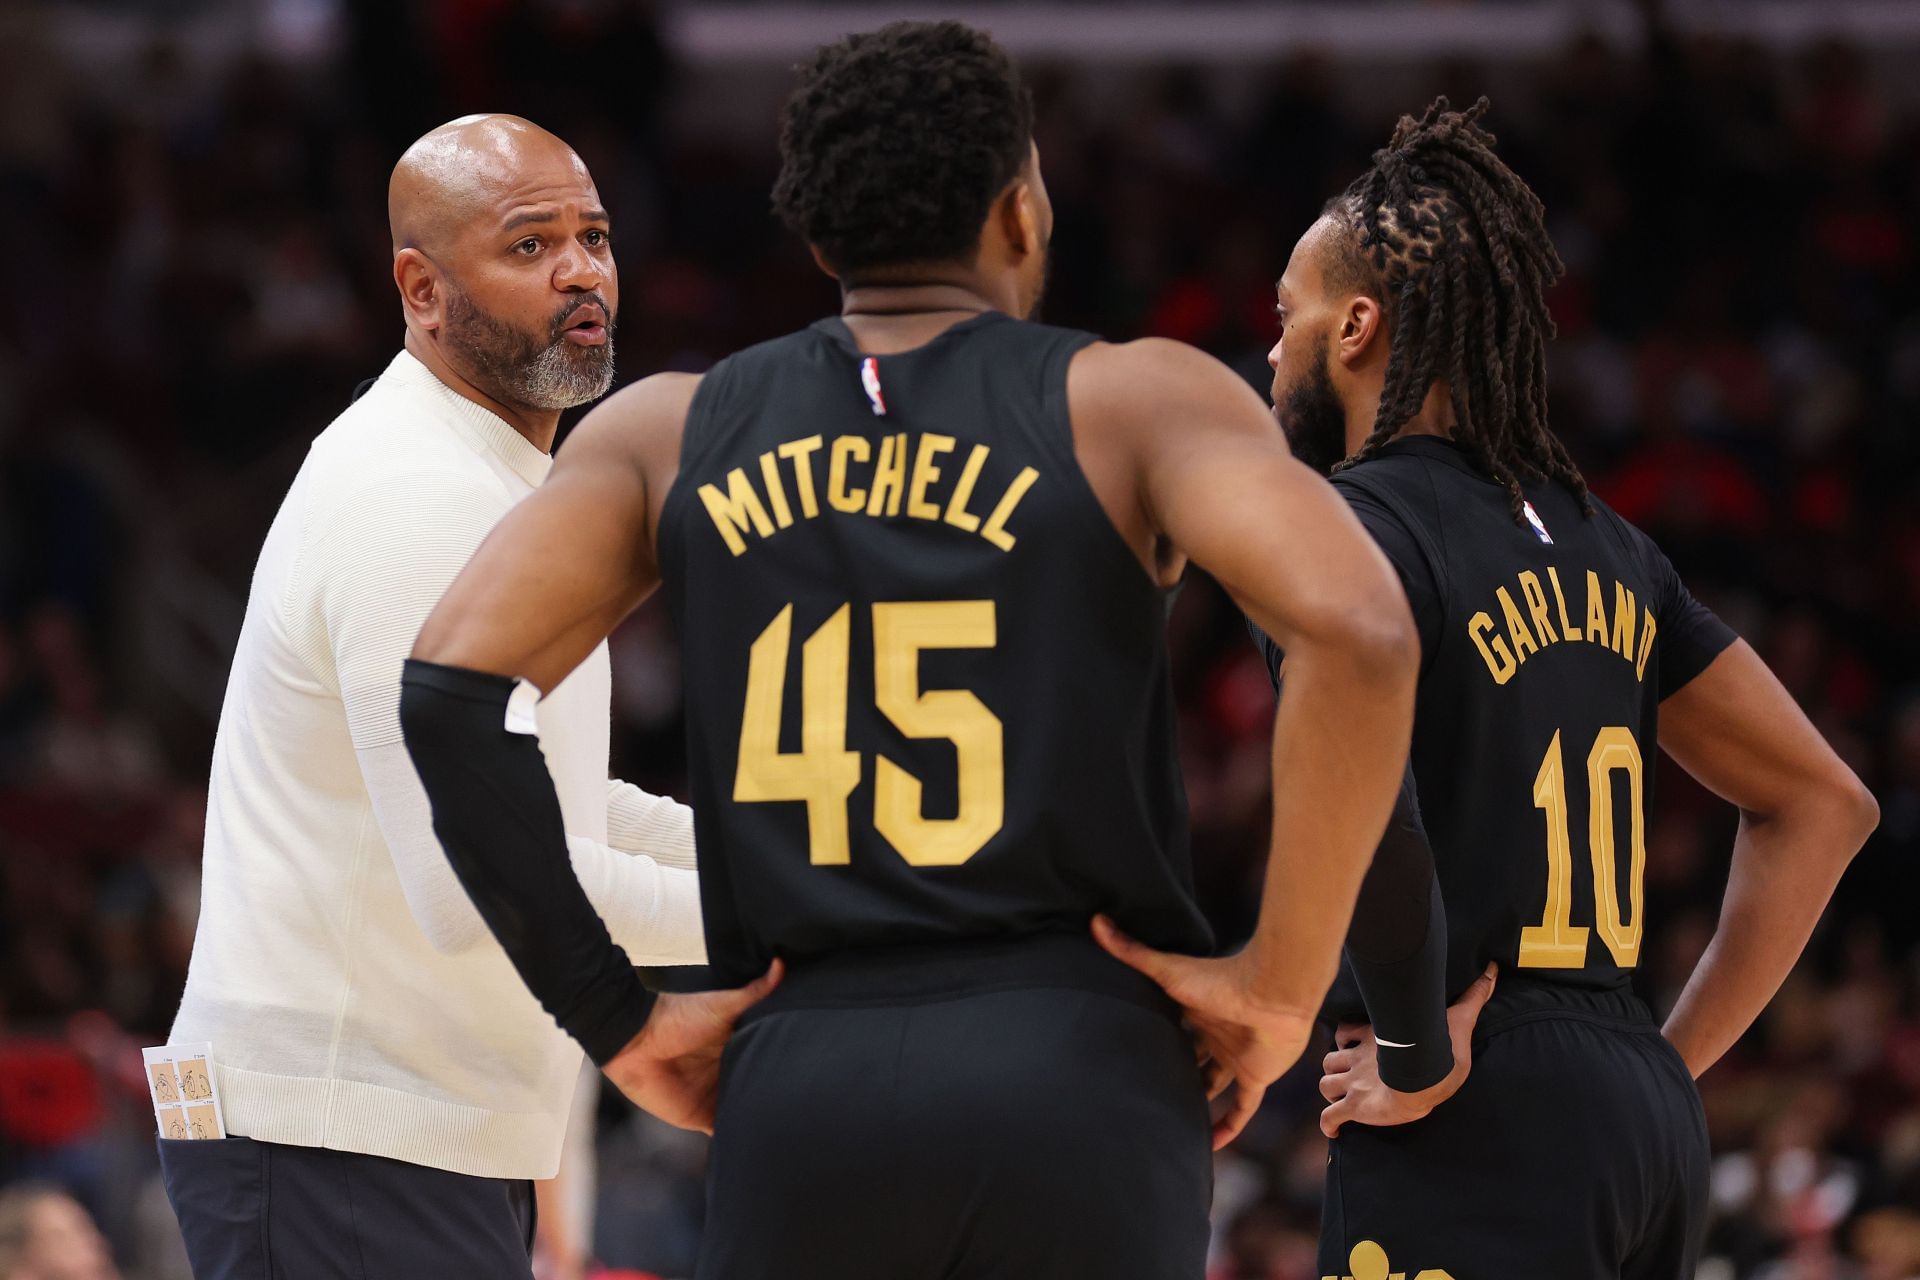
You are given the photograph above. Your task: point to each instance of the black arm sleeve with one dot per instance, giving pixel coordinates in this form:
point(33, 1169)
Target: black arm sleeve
point(1397, 942)
point(1397, 947)
point(498, 818)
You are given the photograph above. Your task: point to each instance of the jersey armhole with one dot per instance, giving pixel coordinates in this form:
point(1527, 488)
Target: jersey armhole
point(1057, 439)
point(1622, 534)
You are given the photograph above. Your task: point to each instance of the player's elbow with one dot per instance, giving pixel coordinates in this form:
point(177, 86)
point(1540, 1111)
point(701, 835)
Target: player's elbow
point(1857, 808)
point(1378, 638)
point(1835, 803)
point(1844, 807)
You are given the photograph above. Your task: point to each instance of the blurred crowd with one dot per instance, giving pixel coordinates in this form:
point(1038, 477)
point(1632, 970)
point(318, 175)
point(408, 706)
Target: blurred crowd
point(196, 279)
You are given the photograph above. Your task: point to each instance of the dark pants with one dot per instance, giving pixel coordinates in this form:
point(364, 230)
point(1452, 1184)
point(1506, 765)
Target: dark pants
point(262, 1211)
point(943, 1118)
point(1576, 1150)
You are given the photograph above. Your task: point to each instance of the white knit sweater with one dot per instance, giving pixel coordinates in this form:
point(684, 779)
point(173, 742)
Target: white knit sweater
point(353, 997)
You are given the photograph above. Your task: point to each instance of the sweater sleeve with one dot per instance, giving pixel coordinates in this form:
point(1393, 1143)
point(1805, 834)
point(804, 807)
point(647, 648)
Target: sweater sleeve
point(655, 826)
point(378, 565)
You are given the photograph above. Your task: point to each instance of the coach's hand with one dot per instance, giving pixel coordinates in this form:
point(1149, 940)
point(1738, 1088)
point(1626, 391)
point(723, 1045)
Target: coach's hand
point(671, 1069)
point(1352, 1085)
point(1242, 1041)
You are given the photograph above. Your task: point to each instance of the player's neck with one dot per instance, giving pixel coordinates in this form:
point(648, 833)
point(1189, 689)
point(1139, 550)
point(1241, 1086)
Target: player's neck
point(914, 288)
point(889, 317)
point(1435, 418)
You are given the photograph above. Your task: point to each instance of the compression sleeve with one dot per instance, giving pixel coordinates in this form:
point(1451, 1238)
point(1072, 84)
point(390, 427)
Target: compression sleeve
point(1397, 942)
point(498, 819)
point(1397, 947)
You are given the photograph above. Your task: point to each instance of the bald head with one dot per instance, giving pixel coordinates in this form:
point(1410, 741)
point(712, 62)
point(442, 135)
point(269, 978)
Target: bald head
point(503, 258)
point(462, 172)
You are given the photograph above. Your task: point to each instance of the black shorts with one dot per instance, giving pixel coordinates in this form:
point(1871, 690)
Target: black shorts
point(1576, 1150)
point(959, 1112)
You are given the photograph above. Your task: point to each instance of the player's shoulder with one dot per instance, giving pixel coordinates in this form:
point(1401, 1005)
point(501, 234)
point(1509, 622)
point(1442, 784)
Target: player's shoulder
point(1144, 362)
point(640, 403)
point(1629, 537)
point(1161, 385)
point(638, 426)
point(1402, 484)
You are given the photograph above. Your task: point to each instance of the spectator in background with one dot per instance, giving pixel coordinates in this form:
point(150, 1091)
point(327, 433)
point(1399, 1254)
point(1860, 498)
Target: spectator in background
point(46, 1235)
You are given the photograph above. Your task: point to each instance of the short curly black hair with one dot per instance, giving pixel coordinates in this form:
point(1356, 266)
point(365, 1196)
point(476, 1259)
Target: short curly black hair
point(896, 143)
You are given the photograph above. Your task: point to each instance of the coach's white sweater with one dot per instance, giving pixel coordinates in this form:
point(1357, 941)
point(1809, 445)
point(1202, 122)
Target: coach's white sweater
point(353, 997)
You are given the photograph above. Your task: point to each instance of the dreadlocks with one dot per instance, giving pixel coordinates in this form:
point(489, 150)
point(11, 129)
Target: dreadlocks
point(1456, 246)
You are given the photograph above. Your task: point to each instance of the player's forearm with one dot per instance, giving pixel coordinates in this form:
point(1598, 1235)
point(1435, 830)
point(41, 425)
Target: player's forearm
point(498, 819)
point(1339, 750)
point(1397, 947)
point(1784, 871)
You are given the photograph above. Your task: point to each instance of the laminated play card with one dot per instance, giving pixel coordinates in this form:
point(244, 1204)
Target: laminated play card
point(186, 1098)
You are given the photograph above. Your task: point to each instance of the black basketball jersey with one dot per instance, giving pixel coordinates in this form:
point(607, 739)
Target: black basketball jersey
point(926, 679)
point(1547, 646)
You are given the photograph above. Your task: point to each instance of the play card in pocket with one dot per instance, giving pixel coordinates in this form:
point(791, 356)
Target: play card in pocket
point(186, 1094)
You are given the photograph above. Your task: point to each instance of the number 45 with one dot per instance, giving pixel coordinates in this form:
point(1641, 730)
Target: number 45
point(823, 773)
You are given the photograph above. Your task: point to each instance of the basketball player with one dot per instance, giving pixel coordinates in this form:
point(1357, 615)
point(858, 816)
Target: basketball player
point(916, 556)
point(1558, 647)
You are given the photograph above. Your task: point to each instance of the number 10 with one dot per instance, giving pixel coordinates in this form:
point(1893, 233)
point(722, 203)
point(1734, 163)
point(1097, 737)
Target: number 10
point(1556, 942)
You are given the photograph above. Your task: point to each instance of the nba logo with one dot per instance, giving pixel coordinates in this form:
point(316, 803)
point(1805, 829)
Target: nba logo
point(1533, 518)
point(870, 379)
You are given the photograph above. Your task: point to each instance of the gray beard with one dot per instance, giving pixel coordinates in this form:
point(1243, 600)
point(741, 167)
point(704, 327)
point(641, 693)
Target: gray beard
point(515, 369)
point(558, 379)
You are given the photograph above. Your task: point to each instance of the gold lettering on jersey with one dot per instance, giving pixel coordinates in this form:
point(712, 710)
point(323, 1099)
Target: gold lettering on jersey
point(847, 449)
point(1522, 639)
point(1596, 610)
point(1647, 629)
point(925, 473)
point(1623, 619)
point(1537, 606)
point(957, 514)
point(907, 473)
point(776, 492)
point(800, 453)
point(1505, 645)
point(1499, 658)
point(1567, 630)
point(995, 530)
point(732, 513)
point(889, 476)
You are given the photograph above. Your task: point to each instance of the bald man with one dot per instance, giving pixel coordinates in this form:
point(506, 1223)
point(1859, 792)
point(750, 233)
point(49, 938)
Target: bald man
point(389, 1086)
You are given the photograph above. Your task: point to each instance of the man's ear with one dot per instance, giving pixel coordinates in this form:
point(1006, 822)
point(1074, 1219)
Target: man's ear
point(1019, 217)
point(1363, 330)
point(419, 283)
point(820, 261)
